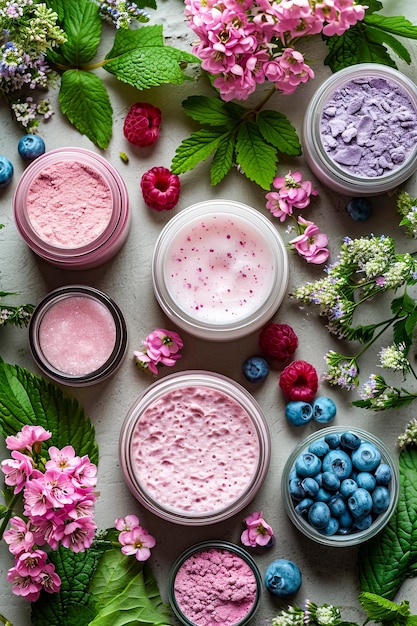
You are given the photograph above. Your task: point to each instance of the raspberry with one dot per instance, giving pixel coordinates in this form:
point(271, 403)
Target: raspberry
point(160, 188)
point(141, 125)
point(299, 381)
point(278, 341)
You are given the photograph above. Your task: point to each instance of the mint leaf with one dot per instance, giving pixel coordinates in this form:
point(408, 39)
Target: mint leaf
point(196, 148)
point(354, 47)
point(256, 157)
point(212, 111)
point(85, 101)
point(383, 610)
point(140, 58)
point(373, 5)
point(222, 160)
point(381, 37)
point(277, 130)
point(82, 24)
point(28, 399)
point(389, 558)
point(397, 25)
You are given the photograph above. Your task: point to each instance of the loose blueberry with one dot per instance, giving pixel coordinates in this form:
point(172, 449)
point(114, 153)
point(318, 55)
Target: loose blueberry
point(30, 147)
point(380, 499)
point(283, 578)
point(338, 462)
point(360, 503)
point(319, 515)
point(324, 410)
point(307, 464)
point(359, 209)
point(6, 171)
point(367, 457)
point(298, 413)
point(255, 369)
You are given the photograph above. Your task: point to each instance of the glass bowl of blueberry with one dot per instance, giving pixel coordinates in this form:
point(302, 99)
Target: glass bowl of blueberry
point(340, 486)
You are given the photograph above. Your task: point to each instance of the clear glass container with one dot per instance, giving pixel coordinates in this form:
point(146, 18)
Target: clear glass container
point(77, 336)
point(353, 538)
point(195, 448)
point(318, 151)
point(71, 207)
point(250, 605)
point(220, 270)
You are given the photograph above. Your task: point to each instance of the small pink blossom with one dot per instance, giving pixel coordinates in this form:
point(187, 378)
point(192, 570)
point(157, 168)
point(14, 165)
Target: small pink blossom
point(21, 536)
point(17, 470)
point(27, 437)
point(292, 192)
point(257, 532)
point(161, 347)
point(24, 586)
point(126, 523)
point(31, 563)
point(137, 542)
point(63, 460)
point(311, 243)
point(78, 534)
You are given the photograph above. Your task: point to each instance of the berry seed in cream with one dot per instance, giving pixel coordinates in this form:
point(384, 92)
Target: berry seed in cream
point(194, 448)
point(220, 270)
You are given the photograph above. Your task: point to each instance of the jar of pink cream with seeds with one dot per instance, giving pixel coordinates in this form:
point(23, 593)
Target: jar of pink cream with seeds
point(71, 207)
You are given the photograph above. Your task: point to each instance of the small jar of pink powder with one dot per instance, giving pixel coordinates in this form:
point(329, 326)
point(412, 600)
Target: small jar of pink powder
point(360, 130)
point(215, 582)
point(77, 336)
point(71, 207)
point(195, 448)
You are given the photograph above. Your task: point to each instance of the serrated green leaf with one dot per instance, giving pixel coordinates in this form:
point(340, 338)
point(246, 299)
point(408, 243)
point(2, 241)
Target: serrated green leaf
point(86, 103)
point(277, 130)
point(403, 304)
point(354, 47)
point(222, 160)
point(29, 399)
point(82, 24)
point(257, 158)
point(213, 111)
point(383, 610)
point(196, 148)
point(396, 25)
point(140, 58)
point(381, 37)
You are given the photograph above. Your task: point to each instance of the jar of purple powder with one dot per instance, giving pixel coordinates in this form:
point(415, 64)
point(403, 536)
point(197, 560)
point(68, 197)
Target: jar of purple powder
point(360, 130)
point(71, 207)
point(214, 582)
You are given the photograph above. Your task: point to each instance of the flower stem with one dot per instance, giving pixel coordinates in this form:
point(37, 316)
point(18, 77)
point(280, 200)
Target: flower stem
point(8, 514)
point(371, 341)
point(5, 621)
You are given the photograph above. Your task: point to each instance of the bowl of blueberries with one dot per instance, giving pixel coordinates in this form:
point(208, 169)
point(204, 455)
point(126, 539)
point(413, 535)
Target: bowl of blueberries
point(340, 486)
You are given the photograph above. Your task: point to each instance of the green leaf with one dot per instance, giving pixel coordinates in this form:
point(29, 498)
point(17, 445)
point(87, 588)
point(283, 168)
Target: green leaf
point(82, 24)
point(373, 5)
point(140, 58)
point(86, 103)
point(196, 148)
point(277, 130)
point(381, 37)
point(213, 111)
point(28, 399)
point(256, 157)
point(389, 558)
point(383, 610)
point(354, 47)
point(126, 593)
point(403, 304)
point(397, 25)
point(222, 160)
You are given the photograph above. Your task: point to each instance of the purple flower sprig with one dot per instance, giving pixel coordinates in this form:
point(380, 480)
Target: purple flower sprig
point(160, 347)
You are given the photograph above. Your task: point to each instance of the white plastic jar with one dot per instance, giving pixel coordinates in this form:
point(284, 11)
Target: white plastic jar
point(220, 270)
point(360, 130)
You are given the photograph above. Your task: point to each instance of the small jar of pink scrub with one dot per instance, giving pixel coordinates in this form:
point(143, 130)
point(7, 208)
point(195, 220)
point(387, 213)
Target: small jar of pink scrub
point(71, 207)
point(195, 448)
point(220, 270)
point(77, 336)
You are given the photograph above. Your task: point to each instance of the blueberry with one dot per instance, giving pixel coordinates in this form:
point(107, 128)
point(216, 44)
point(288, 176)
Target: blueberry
point(363, 523)
point(383, 474)
point(303, 506)
point(282, 578)
point(298, 413)
point(367, 457)
point(338, 462)
point(345, 521)
point(255, 369)
point(348, 486)
point(337, 505)
point(360, 503)
point(333, 440)
point(320, 447)
point(323, 495)
point(319, 515)
point(380, 499)
point(310, 486)
point(295, 489)
point(330, 481)
point(307, 464)
point(349, 440)
point(30, 147)
point(6, 171)
point(331, 528)
point(359, 209)
point(324, 410)
point(366, 480)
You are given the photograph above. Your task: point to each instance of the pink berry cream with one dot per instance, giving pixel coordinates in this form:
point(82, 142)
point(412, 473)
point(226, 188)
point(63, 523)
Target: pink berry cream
point(195, 448)
point(77, 335)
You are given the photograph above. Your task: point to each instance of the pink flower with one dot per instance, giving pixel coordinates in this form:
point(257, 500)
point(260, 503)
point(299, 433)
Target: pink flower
point(21, 536)
point(138, 542)
point(63, 460)
point(28, 436)
point(79, 534)
point(257, 532)
point(24, 586)
point(160, 347)
point(31, 563)
point(126, 523)
point(18, 469)
point(311, 243)
point(291, 192)
point(51, 582)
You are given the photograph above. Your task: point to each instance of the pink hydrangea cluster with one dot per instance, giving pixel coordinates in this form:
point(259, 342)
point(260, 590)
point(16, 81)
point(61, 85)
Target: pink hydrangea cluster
point(292, 192)
point(257, 531)
point(246, 42)
point(134, 539)
point(161, 347)
point(58, 503)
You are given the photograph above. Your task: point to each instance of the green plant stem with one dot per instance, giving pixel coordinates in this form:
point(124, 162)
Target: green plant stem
point(371, 341)
point(10, 509)
point(5, 621)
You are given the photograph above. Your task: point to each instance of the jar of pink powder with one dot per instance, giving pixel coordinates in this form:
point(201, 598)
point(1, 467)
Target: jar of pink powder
point(360, 130)
point(215, 582)
point(77, 336)
point(71, 207)
point(195, 448)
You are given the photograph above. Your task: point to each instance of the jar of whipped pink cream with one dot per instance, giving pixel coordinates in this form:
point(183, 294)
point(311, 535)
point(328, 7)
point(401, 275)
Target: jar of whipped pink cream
point(71, 207)
point(220, 270)
point(360, 130)
point(215, 582)
point(77, 336)
point(195, 448)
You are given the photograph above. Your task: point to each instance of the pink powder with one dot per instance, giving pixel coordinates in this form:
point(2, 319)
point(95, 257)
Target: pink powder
point(77, 335)
point(195, 450)
point(69, 204)
point(215, 587)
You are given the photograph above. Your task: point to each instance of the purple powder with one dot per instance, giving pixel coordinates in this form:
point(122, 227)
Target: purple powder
point(369, 126)
point(215, 587)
